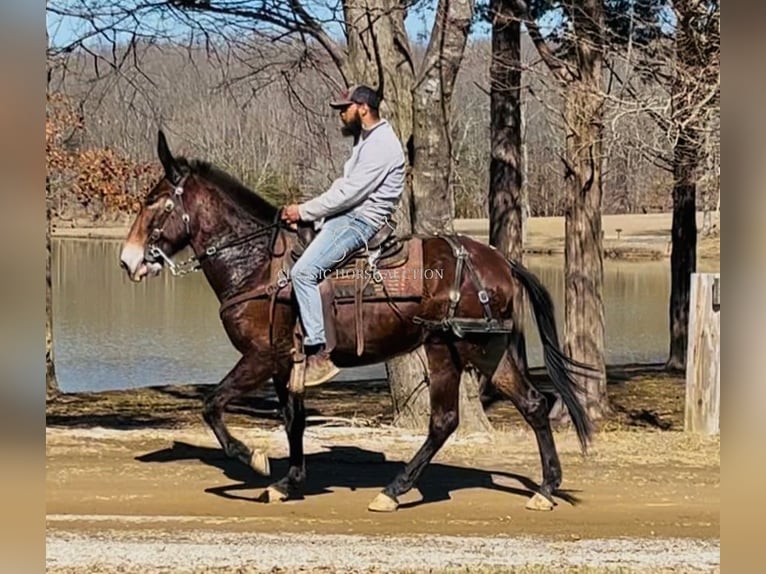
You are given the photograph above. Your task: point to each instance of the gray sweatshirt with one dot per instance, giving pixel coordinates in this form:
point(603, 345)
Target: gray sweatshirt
point(372, 181)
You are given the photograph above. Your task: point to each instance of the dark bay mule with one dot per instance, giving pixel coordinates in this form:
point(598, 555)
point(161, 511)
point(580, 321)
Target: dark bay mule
point(460, 312)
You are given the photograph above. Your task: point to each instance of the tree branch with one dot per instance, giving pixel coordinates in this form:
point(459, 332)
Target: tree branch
point(557, 66)
point(315, 29)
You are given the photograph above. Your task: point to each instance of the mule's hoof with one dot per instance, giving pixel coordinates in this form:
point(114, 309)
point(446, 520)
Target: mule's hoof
point(272, 494)
point(259, 462)
point(539, 502)
point(383, 503)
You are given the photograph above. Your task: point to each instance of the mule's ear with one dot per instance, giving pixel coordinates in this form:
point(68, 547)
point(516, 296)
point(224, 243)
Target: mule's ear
point(172, 171)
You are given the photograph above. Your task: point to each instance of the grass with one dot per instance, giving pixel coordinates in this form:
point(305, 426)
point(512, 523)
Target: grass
point(643, 397)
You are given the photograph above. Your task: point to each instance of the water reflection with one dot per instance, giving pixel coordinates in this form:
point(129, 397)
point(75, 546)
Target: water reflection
point(110, 333)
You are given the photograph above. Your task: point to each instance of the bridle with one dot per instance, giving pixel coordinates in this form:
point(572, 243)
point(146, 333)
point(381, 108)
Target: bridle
point(193, 263)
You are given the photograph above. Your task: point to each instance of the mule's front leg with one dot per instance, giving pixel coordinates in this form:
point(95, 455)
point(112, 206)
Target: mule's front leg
point(294, 412)
point(245, 377)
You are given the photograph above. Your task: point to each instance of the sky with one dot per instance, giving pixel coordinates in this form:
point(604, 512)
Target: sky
point(64, 30)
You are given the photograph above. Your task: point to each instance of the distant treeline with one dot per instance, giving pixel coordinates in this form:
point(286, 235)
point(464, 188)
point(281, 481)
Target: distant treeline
point(282, 139)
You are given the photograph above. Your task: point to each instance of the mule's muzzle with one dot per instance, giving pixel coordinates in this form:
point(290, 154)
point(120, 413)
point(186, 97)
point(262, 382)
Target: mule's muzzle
point(133, 261)
point(146, 268)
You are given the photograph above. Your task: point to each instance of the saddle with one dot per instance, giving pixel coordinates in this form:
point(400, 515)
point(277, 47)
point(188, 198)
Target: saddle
point(388, 268)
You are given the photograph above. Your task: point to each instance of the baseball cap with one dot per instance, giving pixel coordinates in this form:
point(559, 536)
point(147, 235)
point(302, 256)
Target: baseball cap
point(359, 94)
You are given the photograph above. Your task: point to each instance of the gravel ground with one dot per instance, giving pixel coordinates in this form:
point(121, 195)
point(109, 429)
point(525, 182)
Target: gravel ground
point(649, 502)
point(201, 551)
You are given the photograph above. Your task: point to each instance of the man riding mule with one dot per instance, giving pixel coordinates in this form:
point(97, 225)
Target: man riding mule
point(461, 316)
point(349, 214)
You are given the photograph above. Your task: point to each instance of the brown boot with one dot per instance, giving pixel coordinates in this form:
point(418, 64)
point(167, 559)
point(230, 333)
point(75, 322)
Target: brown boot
point(319, 368)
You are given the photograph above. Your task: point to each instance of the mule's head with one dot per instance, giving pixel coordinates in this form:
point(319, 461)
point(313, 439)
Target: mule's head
point(162, 226)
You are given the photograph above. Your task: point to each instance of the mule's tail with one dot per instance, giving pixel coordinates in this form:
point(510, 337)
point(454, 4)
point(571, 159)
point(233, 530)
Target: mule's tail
point(560, 367)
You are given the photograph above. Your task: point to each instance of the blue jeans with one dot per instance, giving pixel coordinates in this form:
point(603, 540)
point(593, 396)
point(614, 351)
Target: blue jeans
point(338, 238)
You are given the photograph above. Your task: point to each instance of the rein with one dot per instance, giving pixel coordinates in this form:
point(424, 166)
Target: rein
point(194, 263)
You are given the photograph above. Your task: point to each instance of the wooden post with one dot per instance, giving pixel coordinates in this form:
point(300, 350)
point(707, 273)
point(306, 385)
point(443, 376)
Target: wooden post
point(703, 359)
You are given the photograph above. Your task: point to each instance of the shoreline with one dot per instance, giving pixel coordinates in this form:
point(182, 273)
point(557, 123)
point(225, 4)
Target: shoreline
point(638, 237)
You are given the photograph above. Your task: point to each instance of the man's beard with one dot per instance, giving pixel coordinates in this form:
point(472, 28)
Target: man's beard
point(353, 127)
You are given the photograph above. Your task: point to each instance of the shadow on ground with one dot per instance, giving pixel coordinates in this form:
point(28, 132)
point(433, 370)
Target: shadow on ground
point(348, 467)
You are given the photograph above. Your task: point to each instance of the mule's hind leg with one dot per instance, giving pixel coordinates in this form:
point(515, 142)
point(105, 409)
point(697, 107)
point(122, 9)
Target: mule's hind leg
point(534, 407)
point(294, 413)
point(445, 372)
point(247, 375)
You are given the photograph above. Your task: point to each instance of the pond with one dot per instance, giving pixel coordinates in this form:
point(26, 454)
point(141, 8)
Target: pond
point(110, 333)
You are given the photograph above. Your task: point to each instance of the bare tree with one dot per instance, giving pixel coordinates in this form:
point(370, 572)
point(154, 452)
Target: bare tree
point(417, 96)
point(506, 168)
point(695, 87)
point(683, 58)
point(432, 207)
point(579, 73)
point(277, 137)
point(51, 381)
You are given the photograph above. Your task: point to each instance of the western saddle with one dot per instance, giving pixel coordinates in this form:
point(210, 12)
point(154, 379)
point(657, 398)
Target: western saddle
point(386, 269)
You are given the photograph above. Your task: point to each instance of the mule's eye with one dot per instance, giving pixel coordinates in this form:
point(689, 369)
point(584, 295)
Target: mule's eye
point(169, 205)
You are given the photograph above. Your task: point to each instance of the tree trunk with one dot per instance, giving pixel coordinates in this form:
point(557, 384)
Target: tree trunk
point(710, 187)
point(683, 256)
point(696, 67)
point(433, 199)
point(505, 168)
point(378, 51)
point(379, 55)
point(525, 209)
point(621, 198)
point(433, 202)
point(51, 382)
point(581, 80)
point(583, 258)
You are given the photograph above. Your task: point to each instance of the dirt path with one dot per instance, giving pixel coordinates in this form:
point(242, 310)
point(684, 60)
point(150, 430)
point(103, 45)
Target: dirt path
point(148, 500)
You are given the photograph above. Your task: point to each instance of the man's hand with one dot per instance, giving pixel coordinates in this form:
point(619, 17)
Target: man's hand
point(291, 215)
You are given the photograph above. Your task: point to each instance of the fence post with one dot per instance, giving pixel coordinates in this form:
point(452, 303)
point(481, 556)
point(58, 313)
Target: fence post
point(703, 356)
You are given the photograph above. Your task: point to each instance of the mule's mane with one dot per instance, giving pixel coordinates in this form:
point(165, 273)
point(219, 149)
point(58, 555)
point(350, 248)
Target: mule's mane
point(242, 195)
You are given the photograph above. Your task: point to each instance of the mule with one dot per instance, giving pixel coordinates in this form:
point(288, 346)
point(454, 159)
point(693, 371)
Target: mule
point(460, 313)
